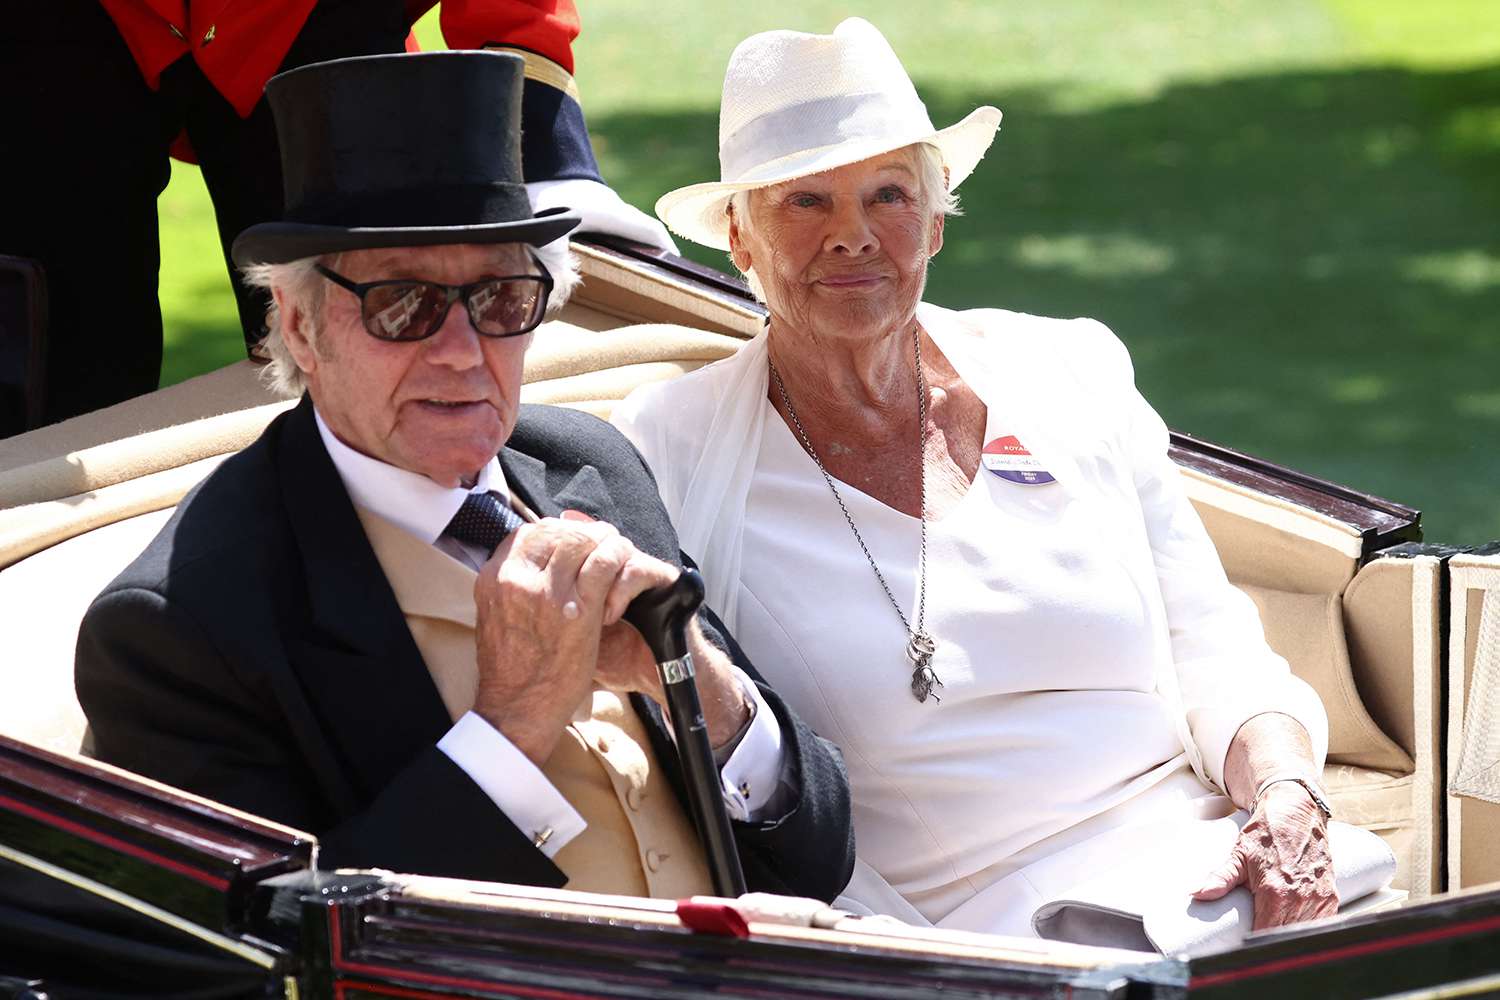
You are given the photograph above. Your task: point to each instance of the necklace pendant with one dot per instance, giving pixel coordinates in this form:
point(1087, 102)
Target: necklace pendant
point(923, 678)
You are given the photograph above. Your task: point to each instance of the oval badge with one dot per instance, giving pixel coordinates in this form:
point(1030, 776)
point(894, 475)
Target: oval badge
point(1007, 458)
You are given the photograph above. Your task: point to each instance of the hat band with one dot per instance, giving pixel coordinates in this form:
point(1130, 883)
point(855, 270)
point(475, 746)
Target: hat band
point(828, 121)
point(427, 207)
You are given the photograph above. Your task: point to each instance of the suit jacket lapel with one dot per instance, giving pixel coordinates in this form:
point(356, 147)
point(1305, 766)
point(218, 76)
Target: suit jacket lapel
point(549, 490)
point(357, 662)
point(527, 478)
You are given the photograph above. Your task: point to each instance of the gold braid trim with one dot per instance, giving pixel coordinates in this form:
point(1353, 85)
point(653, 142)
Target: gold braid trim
point(544, 70)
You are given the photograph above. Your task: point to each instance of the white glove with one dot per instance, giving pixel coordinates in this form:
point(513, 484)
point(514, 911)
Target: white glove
point(602, 210)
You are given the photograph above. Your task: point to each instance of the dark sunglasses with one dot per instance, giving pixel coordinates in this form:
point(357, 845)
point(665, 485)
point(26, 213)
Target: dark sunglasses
point(402, 309)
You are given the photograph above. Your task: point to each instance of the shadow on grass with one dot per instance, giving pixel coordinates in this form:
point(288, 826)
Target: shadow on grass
point(1305, 265)
point(200, 346)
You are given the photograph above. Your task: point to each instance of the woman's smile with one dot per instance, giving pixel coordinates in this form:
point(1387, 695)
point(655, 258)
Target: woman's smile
point(850, 282)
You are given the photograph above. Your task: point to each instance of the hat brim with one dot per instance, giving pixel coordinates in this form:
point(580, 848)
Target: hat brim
point(284, 242)
point(697, 212)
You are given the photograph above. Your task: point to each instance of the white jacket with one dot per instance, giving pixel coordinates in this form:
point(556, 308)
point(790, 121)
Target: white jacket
point(1087, 425)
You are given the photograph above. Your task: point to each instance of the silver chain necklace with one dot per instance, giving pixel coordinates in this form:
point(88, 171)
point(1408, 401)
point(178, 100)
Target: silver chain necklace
point(920, 645)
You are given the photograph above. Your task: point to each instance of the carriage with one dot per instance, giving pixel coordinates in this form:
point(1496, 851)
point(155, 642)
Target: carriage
point(115, 885)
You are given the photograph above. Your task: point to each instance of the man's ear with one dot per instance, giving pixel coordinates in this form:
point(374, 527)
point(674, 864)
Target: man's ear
point(737, 249)
point(294, 324)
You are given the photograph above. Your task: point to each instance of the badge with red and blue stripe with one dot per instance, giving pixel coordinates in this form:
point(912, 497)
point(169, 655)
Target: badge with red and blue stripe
point(1007, 458)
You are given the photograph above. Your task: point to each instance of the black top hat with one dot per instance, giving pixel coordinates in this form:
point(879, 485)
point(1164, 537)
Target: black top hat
point(399, 150)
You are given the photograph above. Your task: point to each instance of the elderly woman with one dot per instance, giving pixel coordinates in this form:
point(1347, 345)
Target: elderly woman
point(955, 540)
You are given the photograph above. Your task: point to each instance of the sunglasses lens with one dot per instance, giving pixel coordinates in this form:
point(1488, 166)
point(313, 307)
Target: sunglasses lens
point(507, 305)
point(402, 310)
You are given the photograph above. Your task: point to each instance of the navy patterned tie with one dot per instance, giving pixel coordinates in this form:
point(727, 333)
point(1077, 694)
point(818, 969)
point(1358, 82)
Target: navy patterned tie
point(483, 522)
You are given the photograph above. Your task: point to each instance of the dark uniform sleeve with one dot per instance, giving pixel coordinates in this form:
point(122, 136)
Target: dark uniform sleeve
point(554, 136)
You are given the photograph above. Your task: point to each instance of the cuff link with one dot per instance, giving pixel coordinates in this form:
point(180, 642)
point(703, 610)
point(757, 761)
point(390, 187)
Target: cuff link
point(540, 837)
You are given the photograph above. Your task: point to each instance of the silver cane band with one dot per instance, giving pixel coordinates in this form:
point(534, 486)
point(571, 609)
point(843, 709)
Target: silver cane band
point(680, 669)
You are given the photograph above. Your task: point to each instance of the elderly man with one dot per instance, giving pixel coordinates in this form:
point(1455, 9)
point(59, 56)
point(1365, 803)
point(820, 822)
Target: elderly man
point(394, 620)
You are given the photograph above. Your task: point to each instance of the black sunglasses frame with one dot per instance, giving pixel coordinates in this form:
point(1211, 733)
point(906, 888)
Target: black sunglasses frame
point(452, 293)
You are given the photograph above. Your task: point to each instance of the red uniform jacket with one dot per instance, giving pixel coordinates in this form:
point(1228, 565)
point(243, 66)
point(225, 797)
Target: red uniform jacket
point(239, 44)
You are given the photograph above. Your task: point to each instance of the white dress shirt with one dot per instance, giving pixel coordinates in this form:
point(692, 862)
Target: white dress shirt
point(752, 777)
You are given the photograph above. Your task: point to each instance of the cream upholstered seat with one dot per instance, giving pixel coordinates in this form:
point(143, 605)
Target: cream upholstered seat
point(77, 503)
point(48, 594)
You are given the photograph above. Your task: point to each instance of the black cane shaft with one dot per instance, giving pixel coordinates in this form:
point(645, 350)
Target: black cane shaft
point(663, 616)
point(704, 795)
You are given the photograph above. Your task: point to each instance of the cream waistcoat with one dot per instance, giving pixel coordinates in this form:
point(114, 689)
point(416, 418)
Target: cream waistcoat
point(638, 841)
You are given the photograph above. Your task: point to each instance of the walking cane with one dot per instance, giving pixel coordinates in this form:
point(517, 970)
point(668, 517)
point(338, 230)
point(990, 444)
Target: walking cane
point(662, 616)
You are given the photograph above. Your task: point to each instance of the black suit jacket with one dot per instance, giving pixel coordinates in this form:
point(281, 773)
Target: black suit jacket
point(255, 654)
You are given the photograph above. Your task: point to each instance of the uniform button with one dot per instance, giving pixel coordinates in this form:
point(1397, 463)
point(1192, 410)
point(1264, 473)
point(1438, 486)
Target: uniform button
point(602, 744)
point(176, 31)
point(655, 859)
point(633, 797)
point(208, 36)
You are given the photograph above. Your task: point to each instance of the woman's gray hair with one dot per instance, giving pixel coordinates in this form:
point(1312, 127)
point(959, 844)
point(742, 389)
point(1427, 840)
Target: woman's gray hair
point(932, 186)
point(304, 287)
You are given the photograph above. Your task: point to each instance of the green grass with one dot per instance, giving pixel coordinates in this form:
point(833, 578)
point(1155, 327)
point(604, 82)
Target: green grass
point(1288, 209)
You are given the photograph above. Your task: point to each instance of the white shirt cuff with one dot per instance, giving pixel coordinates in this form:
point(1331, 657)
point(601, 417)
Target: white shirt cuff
point(752, 774)
point(516, 785)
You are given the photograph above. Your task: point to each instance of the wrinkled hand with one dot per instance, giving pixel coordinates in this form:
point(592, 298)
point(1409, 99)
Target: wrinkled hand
point(1282, 856)
point(626, 663)
point(548, 607)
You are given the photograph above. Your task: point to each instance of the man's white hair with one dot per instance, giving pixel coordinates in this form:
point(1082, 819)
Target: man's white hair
point(932, 192)
point(302, 286)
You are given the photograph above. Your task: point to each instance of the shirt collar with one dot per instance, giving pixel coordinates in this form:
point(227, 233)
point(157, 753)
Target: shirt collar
point(409, 500)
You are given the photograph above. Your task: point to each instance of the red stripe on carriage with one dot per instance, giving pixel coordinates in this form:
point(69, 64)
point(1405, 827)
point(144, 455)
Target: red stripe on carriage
point(340, 963)
point(342, 989)
point(1348, 951)
point(115, 844)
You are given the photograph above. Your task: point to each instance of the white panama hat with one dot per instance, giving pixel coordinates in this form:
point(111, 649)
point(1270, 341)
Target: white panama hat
point(796, 104)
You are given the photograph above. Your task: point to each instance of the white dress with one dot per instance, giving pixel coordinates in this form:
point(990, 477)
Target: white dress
point(1044, 652)
point(1096, 662)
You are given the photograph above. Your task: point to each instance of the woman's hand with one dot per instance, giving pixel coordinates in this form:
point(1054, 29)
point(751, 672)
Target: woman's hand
point(1282, 856)
point(1282, 852)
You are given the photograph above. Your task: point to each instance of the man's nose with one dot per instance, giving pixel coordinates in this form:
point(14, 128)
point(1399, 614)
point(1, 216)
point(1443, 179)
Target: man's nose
point(456, 343)
point(849, 232)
